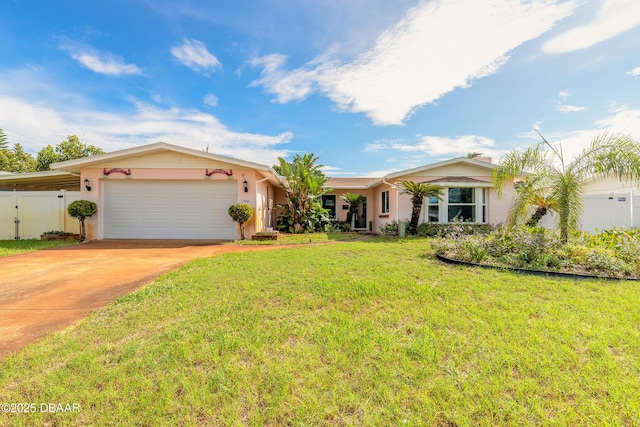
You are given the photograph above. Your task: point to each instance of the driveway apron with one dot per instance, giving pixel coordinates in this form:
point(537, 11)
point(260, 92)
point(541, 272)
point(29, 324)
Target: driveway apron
point(51, 289)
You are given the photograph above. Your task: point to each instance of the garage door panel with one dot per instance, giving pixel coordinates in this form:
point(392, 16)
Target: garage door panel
point(169, 209)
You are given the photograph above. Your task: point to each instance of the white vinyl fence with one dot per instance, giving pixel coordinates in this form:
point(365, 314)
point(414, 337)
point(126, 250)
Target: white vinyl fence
point(605, 211)
point(28, 214)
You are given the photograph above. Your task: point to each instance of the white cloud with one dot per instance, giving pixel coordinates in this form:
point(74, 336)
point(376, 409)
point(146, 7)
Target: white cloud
point(635, 72)
point(100, 62)
point(430, 147)
point(566, 108)
point(438, 46)
point(614, 18)
point(194, 54)
point(211, 100)
point(34, 126)
point(286, 85)
point(621, 119)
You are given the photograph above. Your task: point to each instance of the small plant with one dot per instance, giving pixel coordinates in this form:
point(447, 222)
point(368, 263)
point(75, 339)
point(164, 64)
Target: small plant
point(82, 209)
point(390, 228)
point(58, 233)
point(241, 213)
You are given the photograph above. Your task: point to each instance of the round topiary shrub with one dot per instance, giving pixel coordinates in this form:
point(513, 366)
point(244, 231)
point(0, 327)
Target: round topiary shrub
point(241, 213)
point(82, 209)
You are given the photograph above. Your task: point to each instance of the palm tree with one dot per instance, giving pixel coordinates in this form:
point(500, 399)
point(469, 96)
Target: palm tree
point(303, 187)
point(418, 191)
point(354, 201)
point(531, 192)
point(608, 155)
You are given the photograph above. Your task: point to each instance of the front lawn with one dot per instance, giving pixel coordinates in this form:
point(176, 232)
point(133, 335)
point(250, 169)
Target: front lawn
point(362, 333)
point(14, 247)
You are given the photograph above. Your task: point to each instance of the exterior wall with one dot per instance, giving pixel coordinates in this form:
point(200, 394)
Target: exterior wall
point(37, 211)
point(341, 214)
point(379, 218)
point(499, 206)
point(168, 166)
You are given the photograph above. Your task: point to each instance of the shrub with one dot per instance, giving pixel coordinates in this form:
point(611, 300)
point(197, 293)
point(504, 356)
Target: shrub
point(390, 228)
point(82, 209)
point(613, 253)
point(241, 213)
point(452, 229)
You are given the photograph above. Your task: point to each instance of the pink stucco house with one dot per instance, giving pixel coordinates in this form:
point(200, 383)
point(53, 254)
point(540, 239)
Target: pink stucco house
point(164, 191)
point(468, 195)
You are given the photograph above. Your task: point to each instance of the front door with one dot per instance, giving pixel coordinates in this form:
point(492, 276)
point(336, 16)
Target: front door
point(360, 218)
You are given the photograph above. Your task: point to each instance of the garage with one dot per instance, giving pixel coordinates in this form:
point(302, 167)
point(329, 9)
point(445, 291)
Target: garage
point(163, 209)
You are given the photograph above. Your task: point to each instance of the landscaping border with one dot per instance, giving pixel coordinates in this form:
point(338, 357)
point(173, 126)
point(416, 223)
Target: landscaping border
point(531, 272)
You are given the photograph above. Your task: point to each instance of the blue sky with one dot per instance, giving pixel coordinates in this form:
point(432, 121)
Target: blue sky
point(370, 86)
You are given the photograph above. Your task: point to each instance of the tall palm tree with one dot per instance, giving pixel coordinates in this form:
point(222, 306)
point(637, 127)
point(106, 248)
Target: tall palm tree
point(608, 155)
point(354, 201)
point(418, 191)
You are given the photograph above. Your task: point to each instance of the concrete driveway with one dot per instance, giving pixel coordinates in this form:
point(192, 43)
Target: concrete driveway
point(49, 290)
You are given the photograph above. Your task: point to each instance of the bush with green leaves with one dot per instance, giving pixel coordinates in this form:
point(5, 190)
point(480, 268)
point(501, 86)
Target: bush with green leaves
point(612, 253)
point(241, 213)
point(431, 229)
point(390, 228)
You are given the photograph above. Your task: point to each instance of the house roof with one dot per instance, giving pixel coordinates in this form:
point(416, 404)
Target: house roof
point(40, 181)
point(360, 183)
point(459, 180)
point(470, 161)
point(77, 164)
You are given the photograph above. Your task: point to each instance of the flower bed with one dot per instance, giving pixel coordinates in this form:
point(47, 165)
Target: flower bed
point(611, 254)
point(59, 235)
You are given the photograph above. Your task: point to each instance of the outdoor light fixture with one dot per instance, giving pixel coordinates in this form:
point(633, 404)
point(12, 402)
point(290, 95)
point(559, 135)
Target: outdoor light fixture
point(245, 184)
point(87, 184)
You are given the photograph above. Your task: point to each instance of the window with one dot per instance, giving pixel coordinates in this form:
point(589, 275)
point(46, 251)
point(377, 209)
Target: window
point(462, 204)
point(433, 209)
point(329, 203)
point(385, 201)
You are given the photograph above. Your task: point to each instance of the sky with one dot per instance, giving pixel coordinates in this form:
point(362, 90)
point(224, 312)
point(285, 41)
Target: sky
point(368, 86)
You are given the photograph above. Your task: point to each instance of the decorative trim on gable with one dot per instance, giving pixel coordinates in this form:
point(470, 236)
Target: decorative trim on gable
point(208, 172)
point(106, 172)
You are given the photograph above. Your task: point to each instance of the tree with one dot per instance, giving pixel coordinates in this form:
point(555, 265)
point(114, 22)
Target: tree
point(354, 201)
point(4, 142)
point(531, 192)
point(16, 160)
point(241, 213)
point(302, 184)
point(418, 191)
point(562, 182)
point(69, 149)
point(82, 209)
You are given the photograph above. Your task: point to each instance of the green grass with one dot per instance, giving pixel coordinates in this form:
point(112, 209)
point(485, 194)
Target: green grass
point(13, 247)
point(299, 239)
point(361, 333)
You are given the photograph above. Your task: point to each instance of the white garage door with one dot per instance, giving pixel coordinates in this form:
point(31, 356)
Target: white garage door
point(169, 209)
